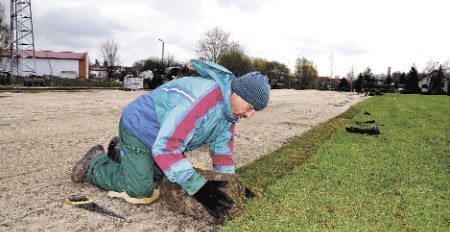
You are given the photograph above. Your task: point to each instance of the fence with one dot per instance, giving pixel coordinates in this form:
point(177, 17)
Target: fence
point(64, 82)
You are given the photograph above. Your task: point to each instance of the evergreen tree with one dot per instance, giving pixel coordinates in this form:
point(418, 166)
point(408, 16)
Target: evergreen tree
point(388, 80)
point(343, 85)
point(364, 81)
point(448, 87)
point(358, 85)
point(368, 78)
point(402, 79)
point(412, 81)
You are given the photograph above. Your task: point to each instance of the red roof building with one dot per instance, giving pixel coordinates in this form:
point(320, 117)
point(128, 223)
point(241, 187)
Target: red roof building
point(53, 63)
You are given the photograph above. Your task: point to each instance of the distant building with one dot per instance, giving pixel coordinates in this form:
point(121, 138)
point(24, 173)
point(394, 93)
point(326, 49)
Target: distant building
point(424, 82)
point(324, 83)
point(379, 79)
point(49, 63)
point(99, 72)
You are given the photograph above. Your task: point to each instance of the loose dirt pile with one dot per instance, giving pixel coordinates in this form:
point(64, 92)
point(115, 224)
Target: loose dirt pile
point(174, 198)
point(43, 134)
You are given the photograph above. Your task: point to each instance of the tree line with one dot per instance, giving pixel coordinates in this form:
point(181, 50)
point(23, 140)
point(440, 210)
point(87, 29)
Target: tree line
point(215, 45)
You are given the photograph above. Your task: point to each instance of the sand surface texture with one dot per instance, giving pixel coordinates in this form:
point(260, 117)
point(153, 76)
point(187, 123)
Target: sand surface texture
point(43, 134)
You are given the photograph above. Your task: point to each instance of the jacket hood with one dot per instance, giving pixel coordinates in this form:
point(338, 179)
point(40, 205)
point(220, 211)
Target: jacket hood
point(222, 76)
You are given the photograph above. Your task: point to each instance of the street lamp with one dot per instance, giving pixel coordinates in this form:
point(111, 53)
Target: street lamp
point(162, 56)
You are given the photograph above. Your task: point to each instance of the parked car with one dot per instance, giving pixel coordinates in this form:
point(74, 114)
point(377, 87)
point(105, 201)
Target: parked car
point(33, 79)
point(4, 73)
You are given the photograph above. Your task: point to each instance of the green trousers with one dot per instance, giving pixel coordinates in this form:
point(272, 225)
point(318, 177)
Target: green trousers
point(133, 175)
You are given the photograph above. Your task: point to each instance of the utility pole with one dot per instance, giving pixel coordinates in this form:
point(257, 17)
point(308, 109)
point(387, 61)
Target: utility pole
point(331, 67)
point(22, 38)
point(162, 56)
point(351, 81)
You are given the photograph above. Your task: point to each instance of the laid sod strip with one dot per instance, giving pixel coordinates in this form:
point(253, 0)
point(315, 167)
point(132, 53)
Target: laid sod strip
point(395, 181)
point(265, 171)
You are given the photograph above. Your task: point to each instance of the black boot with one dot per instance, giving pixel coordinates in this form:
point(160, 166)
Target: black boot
point(79, 171)
point(114, 149)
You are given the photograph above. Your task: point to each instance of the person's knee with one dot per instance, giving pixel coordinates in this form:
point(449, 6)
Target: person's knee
point(140, 190)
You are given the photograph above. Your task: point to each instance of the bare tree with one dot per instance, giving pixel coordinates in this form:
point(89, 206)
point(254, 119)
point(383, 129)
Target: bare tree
point(109, 51)
point(431, 66)
point(4, 29)
point(213, 44)
point(235, 47)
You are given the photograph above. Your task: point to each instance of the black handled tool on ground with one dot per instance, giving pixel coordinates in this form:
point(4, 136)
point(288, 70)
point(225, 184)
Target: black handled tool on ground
point(86, 203)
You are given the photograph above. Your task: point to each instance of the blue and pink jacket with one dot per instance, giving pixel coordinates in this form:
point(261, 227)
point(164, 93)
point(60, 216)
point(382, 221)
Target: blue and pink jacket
point(183, 115)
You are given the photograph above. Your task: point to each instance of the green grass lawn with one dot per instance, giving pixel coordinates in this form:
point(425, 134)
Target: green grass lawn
point(330, 179)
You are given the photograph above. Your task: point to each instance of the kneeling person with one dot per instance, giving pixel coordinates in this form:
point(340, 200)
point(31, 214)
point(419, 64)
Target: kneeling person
point(159, 126)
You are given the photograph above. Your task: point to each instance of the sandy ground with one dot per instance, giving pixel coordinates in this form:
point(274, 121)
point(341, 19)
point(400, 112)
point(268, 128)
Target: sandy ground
point(43, 134)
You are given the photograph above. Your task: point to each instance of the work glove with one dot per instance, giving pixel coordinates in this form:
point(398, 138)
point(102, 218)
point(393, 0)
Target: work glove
point(213, 199)
point(249, 193)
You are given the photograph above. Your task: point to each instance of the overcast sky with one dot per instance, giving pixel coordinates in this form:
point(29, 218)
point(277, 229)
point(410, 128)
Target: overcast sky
point(356, 33)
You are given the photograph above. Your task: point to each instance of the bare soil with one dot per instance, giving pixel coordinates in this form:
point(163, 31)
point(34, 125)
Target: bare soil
point(43, 134)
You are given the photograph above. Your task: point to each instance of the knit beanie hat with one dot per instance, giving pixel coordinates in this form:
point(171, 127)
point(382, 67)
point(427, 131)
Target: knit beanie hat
point(253, 88)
